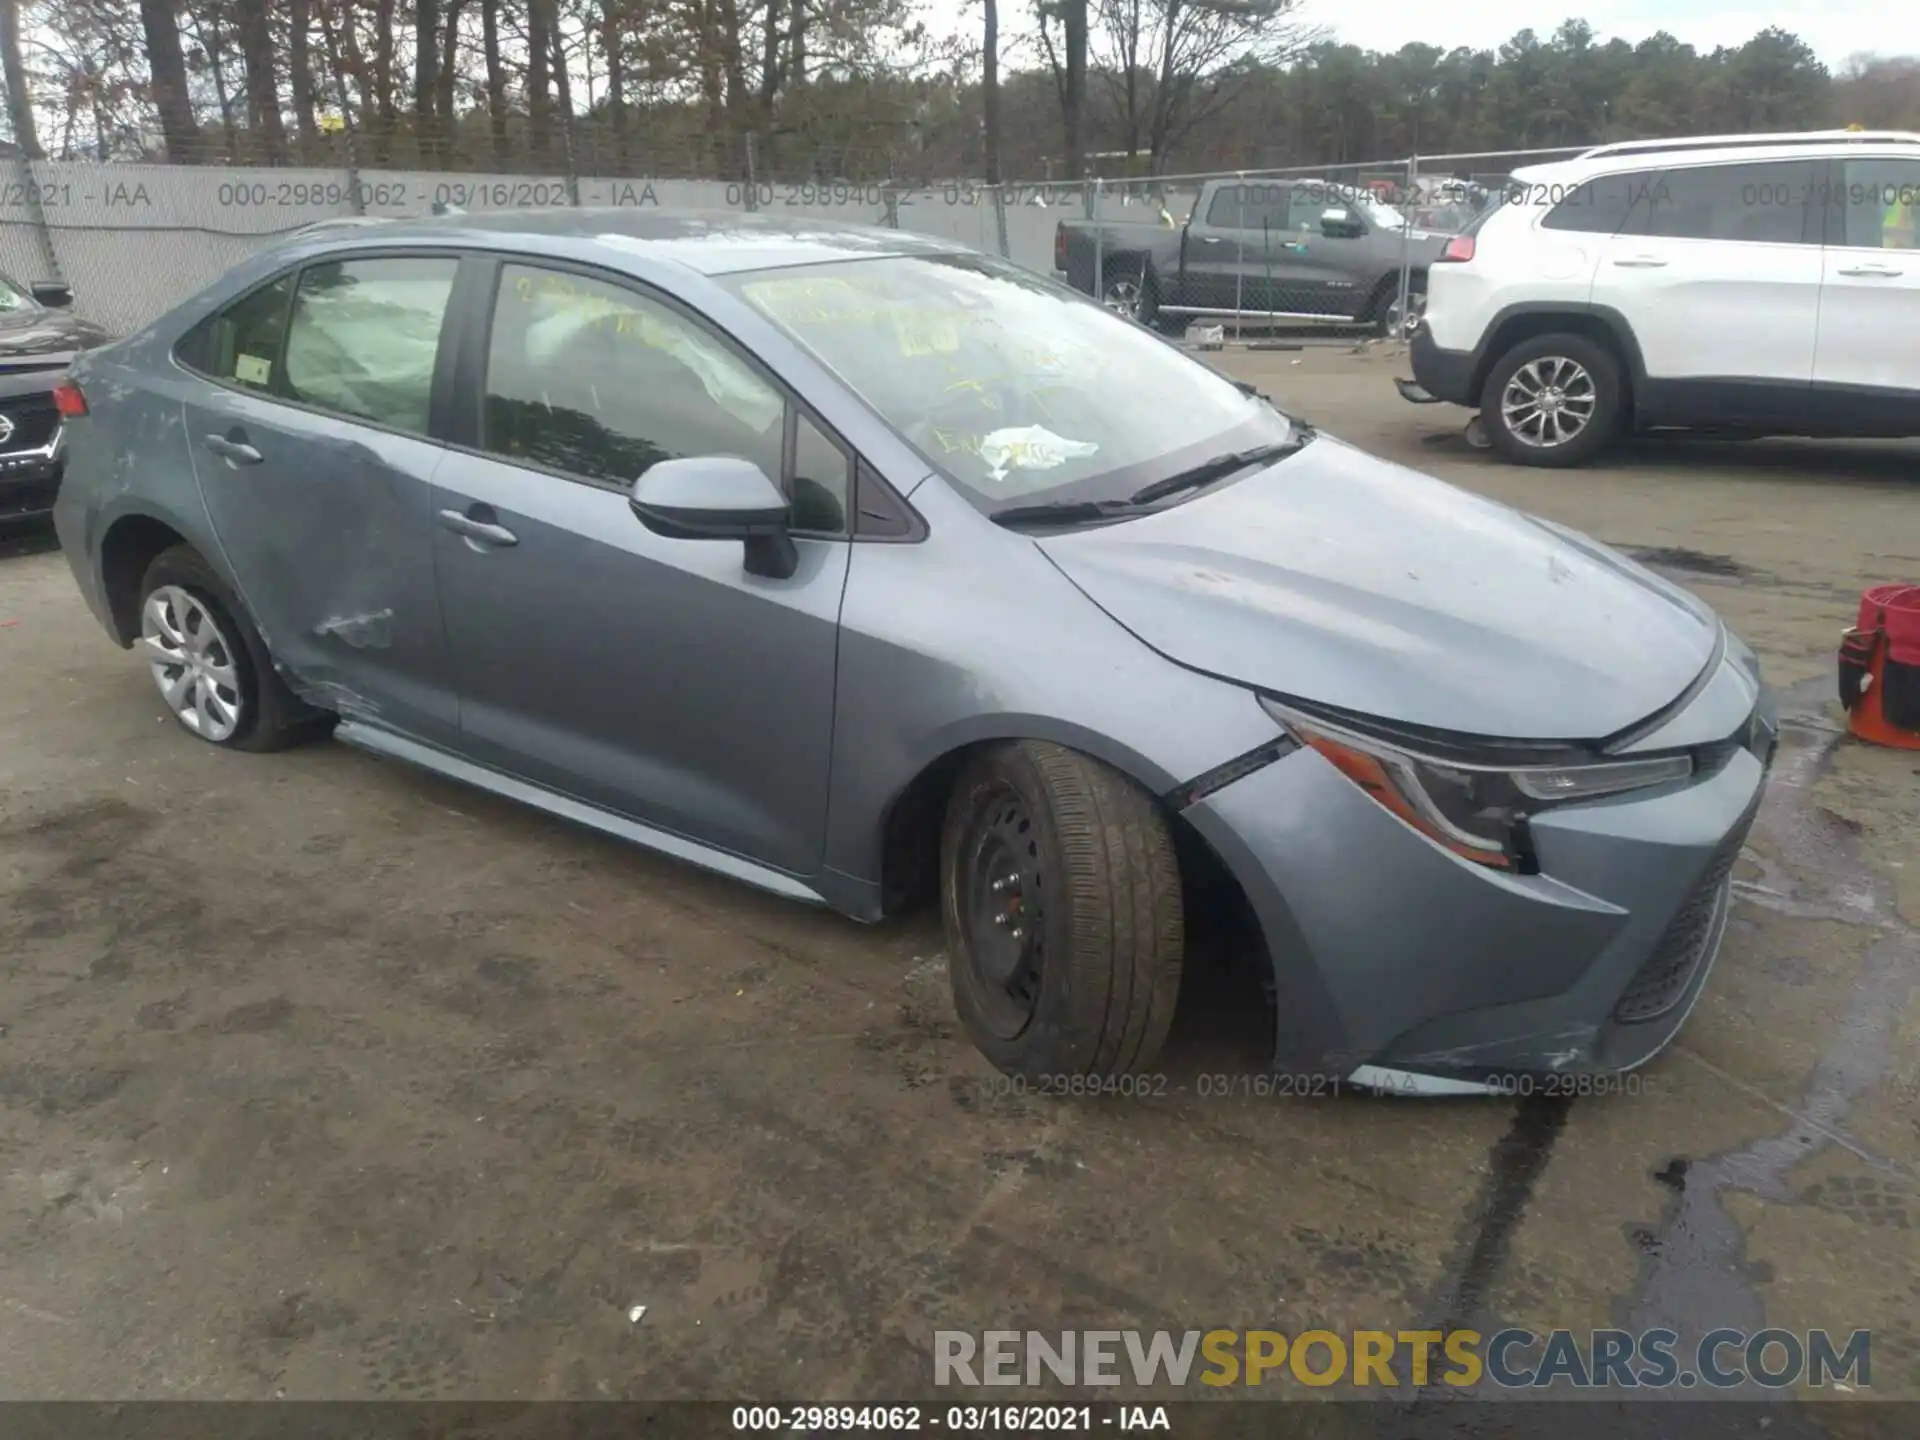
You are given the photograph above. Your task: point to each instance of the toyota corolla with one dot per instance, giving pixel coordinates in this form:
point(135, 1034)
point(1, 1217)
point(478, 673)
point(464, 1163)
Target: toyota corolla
point(862, 567)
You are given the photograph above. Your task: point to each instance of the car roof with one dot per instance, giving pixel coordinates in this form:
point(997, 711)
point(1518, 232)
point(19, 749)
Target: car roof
point(1720, 149)
point(710, 242)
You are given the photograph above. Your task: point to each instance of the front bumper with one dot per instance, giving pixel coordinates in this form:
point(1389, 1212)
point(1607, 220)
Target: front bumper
point(1392, 957)
point(1442, 374)
point(29, 484)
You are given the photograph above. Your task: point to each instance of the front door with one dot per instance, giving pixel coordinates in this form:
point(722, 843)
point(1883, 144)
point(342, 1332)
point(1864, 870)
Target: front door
point(308, 440)
point(1866, 368)
point(652, 677)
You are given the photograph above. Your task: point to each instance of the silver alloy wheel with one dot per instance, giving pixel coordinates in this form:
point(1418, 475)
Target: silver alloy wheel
point(192, 661)
point(1548, 401)
point(1123, 298)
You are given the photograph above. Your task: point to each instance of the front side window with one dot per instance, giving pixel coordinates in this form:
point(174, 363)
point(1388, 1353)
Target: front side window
point(596, 381)
point(14, 296)
point(364, 337)
point(1010, 385)
point(241, 344)
point(1766, 202)
point(1881, 197)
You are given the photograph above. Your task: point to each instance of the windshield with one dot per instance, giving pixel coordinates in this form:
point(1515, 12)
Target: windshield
point(1010, 385)
point(14, 297)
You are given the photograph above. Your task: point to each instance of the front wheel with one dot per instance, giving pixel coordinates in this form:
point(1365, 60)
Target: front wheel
point(1553, 400)
point(1063, 913)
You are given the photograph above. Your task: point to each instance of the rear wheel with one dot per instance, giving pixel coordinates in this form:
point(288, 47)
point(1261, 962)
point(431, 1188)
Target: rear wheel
point(1063, 913)
point(1128, 288)
point(1553, 400)
point(1384, 314)
point(208, 661)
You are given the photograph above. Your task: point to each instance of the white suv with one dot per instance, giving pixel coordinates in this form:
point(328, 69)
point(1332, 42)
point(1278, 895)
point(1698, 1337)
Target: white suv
point(1746, 285)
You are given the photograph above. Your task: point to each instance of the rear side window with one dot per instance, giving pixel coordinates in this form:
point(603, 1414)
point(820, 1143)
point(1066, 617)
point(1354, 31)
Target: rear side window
point(1599, 206)
point(1762, 203)
point(365, 335)
point(1881, 199)
point(1250, 205)
point(240, 345)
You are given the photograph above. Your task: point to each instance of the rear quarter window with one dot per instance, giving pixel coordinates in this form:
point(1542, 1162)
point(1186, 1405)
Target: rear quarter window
point(241, 344)
point(1598, 206)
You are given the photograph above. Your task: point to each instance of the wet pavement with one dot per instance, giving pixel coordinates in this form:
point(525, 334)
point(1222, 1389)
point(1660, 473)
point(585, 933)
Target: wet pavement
point(322, 1078)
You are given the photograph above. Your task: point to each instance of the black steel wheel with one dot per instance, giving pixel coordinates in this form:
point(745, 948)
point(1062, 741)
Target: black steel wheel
point(1062, 902)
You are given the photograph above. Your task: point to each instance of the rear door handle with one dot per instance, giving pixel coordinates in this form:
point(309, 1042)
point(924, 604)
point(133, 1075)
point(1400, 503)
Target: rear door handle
point(482, 533)
point(1882, 271)
point(1209, 239)
point(233, 450)
point(1639, 262)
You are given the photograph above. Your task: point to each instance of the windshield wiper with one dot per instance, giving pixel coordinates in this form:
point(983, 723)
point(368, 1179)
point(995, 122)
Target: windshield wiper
point(1063, 512)
point(1221, 466)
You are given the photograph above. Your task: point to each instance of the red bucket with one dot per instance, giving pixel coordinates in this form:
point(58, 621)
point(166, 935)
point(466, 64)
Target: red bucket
point(1880, 667)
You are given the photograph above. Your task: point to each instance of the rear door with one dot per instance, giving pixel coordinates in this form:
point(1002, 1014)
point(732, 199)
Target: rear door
point(309, 440)
point(649, 676)
point(1866, 368)
point(1717, 271)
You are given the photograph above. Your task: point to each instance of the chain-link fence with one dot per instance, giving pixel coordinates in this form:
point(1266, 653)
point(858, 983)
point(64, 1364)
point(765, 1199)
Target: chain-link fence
point(1330, 249)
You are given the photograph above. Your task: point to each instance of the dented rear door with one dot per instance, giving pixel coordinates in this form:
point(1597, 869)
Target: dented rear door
point(319, 484)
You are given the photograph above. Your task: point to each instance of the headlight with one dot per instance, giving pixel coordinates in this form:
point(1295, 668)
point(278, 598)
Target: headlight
point(1476, 811)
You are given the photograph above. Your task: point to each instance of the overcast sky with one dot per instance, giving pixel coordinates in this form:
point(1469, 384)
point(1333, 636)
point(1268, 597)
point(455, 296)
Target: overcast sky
point(1835, 29)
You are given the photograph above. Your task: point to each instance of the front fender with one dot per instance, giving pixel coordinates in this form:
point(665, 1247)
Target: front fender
point(1023, 654)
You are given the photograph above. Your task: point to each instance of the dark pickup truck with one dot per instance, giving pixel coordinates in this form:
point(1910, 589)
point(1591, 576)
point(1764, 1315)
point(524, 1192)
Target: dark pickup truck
point(39, 336)
point(1279, 251)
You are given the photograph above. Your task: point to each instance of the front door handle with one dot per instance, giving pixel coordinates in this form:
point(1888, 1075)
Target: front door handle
point(481, 533)
point(1639, 262)
point(1882, 271)
point(1209, 239)
point(233, 448)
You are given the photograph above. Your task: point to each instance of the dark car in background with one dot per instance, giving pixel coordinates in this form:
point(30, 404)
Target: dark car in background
point(39, 336)
point(1270, 251)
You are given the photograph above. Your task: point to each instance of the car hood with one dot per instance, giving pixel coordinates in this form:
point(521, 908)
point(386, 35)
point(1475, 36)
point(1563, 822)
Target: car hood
point(34, 333)
point(1344, 579)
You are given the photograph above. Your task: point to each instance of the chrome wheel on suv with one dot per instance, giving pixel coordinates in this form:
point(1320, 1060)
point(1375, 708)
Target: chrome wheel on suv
point(1548, 401)
point(1553, 400)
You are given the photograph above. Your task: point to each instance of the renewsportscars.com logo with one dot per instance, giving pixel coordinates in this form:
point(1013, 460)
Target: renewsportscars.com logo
point(1387, 1359)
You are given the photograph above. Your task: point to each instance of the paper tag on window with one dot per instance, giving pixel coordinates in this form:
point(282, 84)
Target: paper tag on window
point(920, 332)
point(253, 370)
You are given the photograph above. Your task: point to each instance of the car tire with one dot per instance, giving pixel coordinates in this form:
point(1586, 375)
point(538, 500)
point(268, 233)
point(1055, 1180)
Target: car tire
point(1565, 369)
point(1071, 966)
point(1127, 288)
point(213, 670)
point(1383, 309)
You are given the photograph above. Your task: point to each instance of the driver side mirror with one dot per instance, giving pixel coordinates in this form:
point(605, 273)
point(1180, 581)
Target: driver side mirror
point(1341, 225)
point(719, 497)
point(53, 294)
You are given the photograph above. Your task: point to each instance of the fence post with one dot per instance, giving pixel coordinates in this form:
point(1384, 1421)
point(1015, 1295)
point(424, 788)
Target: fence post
point(1000, 220)
point(1240, 269)
point(1099, 242)
point(1406, 249)
point(30, 188)
point(753, 179)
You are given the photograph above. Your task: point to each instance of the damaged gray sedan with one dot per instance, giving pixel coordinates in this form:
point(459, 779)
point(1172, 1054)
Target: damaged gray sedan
point(864, 568)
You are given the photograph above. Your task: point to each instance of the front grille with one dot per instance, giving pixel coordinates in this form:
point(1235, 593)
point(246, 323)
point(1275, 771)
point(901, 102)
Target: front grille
point(1661, 982)
point(34, 422)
